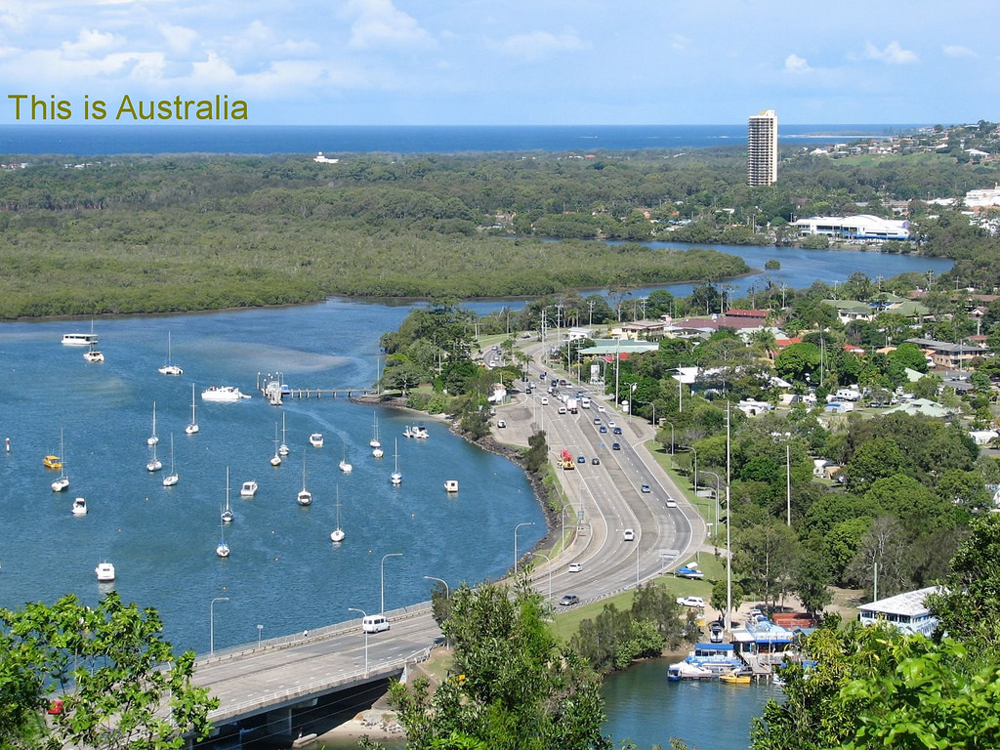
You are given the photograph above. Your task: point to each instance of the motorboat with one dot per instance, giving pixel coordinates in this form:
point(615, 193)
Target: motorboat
point(105, 572)
point(173, 477)
point(93, 355)
point(227, 513)
point(225, 394)
point(79, 507)
point(736, 677)
point(316, 440)
point(305, 496)
point(170, 368)
point(407, 433)
point(79, 339)
point(396, 478)
point(249, 489)
point(62, 482)
point(685, 670)
point(420, 432)
point(153, 439)
point(192, 428)
point(689, 571)
point(451, 485)
point(337, 535)
point(52, 462)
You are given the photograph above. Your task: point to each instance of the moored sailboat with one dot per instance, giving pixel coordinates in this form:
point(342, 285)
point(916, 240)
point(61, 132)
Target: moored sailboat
point(62, 481)
point(173, 477)
point(192, 428)
point(305, 496)
point(337, 535)
point(396, 478)
point(170, 368)
point(227, 513)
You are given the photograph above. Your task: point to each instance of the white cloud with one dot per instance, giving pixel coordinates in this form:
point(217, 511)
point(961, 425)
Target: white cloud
point(796, 64)
point(537, 45)
point(378, 23)
point(179, 38)
point(893, 54)
point(89, 42)
point(956, 50)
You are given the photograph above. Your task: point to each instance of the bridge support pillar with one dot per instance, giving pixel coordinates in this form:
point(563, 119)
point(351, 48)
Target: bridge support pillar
point(279, 722)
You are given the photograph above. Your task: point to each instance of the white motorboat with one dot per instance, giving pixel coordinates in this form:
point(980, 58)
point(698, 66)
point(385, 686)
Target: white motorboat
point(226, 394)
point(407, 433)
point(316, 440)
point(396, 478)
point(93, 355)
point(283, 448)
point(344, 466)
point(154, 464)
point(105, 572)
point(420, 432)
point(249, 489)
point(79, 339)
point(79, 507)
point(173, 477)
point(275, 459)
point(305, 496)
point(227, 513)
point(685, 670)
point(192, 428)
point(170, 368)
point(337, 535)
point(153, 439)
point(62, 482)
point(451, 485)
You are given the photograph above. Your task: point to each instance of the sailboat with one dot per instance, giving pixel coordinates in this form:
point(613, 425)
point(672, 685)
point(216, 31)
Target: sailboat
point(192, 428)
point(396, 478)
point(63, 481)
point(223, 549)
point(305, 496)
point(153, 439)
point(283, 448)
point(337, 535)
point(154, 464)
point(93, 354)
point(275, 459)
point(173, 477)
point(374, 442)
point(344, 466)
point(227, 514)
point(170, 368)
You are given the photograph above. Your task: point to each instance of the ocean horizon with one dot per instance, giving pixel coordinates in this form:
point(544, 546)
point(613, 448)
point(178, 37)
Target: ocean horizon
point(25, 140)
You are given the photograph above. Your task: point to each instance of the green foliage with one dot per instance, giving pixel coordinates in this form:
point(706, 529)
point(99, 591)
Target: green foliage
point(112, 670)
point(537, 455)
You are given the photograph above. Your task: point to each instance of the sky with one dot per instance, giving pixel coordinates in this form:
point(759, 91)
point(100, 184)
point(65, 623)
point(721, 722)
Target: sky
point(509, 62)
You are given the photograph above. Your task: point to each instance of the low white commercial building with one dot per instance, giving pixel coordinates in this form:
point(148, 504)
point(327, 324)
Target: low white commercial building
point(860, 227)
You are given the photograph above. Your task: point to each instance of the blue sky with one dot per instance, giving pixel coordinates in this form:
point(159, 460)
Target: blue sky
point(513, 62)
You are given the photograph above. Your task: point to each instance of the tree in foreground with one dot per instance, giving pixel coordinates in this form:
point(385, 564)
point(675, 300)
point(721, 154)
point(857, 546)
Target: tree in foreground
point(510, 686)
point(120, 684)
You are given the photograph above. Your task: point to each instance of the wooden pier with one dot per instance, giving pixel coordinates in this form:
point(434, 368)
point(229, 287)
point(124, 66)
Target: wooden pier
point(309, 393)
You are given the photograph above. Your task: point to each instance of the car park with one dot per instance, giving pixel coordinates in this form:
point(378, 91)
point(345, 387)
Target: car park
point(569, 600)
point(616, 446)
point(629, 535)
point(501, 423)
point(645, 488)
point(671, 503)
point(575, 567)
point(595, 461)
point(691, 601)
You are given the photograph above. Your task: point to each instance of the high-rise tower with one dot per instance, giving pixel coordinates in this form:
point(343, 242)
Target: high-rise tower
point(762, 148)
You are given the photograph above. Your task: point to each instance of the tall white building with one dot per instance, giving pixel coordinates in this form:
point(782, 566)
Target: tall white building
point(762, 148)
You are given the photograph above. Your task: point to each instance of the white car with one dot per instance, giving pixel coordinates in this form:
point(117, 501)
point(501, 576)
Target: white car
point(545, 400)
point(501, 424)
point(601, 409)
point(575, 567)
point(629, 535)
point(691, 601)
point(671, 503)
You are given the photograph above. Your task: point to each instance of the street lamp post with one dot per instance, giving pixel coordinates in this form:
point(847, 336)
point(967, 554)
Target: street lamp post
point(447, 591)
point(391, 554)
point(718, 490)
point(671, 436)
point(363, 615)
point(523, 523)
point(211, 622)
point(695, 452)
point(549, 561)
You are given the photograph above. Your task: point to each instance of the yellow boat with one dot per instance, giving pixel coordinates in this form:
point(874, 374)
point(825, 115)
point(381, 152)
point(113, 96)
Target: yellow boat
point(52, 462)
point(735, 677)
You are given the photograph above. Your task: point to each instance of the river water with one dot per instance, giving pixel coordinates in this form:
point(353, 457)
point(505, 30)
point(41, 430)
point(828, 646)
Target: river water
point(284, 574)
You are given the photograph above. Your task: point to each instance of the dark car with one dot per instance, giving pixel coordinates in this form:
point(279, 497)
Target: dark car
point(595, 461)
point(645, 488)
point(603, 428)
point(616, 447)
point(581, 459)
point(617, 430)
point(569, 600)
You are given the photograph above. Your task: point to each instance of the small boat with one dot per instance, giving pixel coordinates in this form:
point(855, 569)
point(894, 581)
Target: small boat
point(451, 485)
point(283, 448)
point(52, 462)
point(154, 464)
point(173, 477)
point(344, 466)
point(249, 489)
point(420, 432)
point(192, 428)
point(105, 572)
point(93, 355)
point(396, 478)
point(170, 368)
point(225, 394)
point(305, 496)
point(337, 535)
point(227, 513)
point(407, 433)
point(736, 677)
point(222, 550)
point(316, 440)
point(275, 459)
point(153, 439)
point(684, 670)
point(374, 442)
point(79, 507)
point(62, 482)
point(79, 339)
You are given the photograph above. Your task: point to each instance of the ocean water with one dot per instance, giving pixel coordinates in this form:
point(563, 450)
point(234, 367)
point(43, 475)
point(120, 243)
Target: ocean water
point(93, 139)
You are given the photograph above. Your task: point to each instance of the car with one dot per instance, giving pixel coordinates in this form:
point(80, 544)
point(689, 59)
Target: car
point(595, 461)
point(611, 423)
point(617, 430)
point(689, 571)
point(542, 376)
point(597, 420)
point(569, 600)
point(691, 601)
point(628, 535)
point(671, 503)
point(645, 488)
point(545, 400)
point(562, 409)
point(602, 428)
point(564, 382)
point(616, 446)
point(601, 408)
point(581, 459)
point(501, 424)
point(575, 567)
point(715, 631)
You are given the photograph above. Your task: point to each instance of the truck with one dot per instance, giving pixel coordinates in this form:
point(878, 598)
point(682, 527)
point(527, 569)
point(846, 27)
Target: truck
point(584, 402)
point(571, 404)
point(566, 460)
